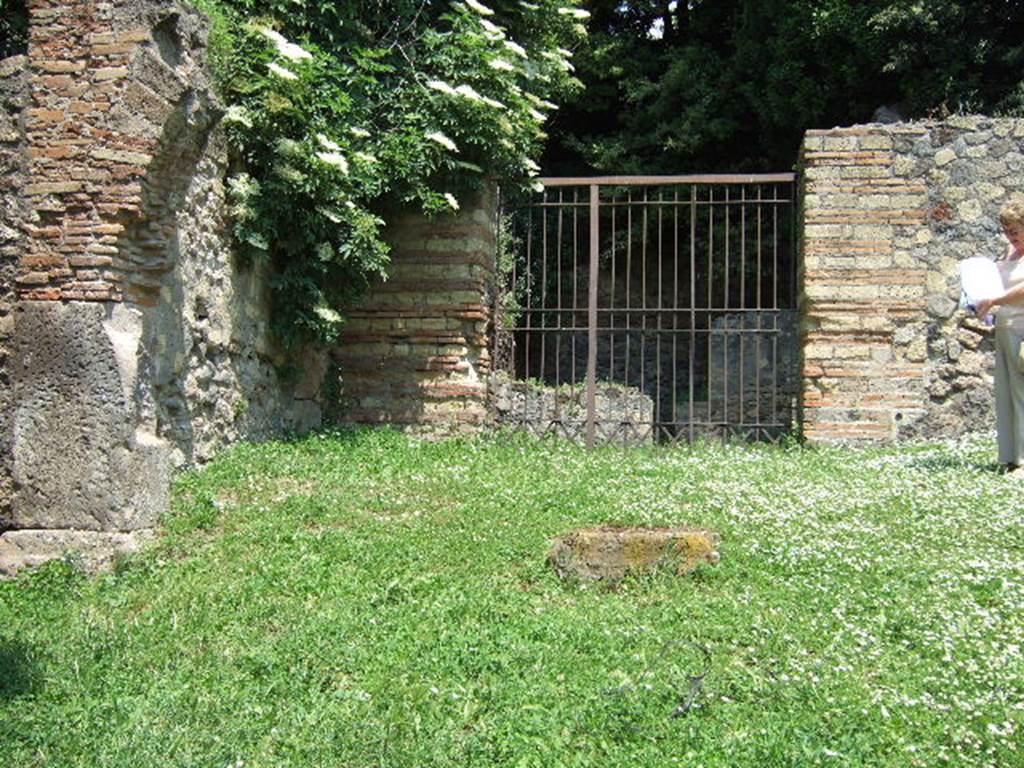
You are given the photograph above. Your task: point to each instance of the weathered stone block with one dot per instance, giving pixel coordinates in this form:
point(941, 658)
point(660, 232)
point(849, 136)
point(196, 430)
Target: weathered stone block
point(612, 552)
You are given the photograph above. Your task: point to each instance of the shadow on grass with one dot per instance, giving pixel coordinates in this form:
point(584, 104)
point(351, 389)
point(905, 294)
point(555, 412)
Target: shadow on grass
point(19, 674)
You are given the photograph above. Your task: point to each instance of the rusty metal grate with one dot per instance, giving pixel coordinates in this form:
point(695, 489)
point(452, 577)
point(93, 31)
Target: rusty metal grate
point(659, 308)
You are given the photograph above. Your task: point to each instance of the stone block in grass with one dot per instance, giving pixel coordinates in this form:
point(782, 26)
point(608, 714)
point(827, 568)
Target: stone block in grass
point(611, 552)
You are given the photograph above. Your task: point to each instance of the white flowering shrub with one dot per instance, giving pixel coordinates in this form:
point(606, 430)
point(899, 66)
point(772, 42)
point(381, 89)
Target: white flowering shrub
point(341, 111)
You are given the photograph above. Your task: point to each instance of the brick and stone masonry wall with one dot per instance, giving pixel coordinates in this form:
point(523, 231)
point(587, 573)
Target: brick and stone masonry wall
point(13, 166)
point(415, 353)
point(889, 211)
point(139, 344)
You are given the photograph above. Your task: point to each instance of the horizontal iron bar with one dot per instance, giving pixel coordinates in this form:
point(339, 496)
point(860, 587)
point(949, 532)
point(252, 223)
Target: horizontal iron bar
point(649, 181)
point(658, 203)
point(645, 331)
point(652, 310)
point(646, 425)
point(722, 424)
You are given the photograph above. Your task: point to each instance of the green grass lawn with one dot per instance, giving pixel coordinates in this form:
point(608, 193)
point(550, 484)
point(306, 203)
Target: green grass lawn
point(369, 600)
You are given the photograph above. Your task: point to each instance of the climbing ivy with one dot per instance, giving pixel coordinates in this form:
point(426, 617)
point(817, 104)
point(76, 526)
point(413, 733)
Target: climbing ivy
point(338, 111)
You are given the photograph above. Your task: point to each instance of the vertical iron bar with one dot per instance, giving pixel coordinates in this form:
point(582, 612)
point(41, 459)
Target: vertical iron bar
point(592, 315)
point(711, 300)
point(757, 335)
point(693, 297)
point(576, 246)
point(675, 307)
point(629, 272)
point(657, 345)
point(775, 306)
point(743, 302)
point(543, 288)
point(611, 300)
point(726, 338)
point(643, 292)
point(559, 324)
point(528, 316)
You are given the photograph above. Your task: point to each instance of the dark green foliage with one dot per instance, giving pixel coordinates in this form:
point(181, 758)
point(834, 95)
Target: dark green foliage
point(733, 84)
point(13, 27)
point(385, 104)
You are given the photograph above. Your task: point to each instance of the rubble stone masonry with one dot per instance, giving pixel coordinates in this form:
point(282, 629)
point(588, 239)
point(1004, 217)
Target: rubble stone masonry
point(888, 213)
point(13, 213)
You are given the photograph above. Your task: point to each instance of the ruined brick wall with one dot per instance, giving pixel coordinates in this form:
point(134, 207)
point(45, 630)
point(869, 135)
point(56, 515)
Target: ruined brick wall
point(889, 211)
point(415, 352)
point(113, 84)
point(139, 343)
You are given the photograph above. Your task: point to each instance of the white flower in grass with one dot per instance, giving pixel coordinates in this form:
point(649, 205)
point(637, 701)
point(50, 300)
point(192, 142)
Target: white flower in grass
point(501, 65)
point(493, 103)
point(284, 74)
point(565, 53)
point(440, 85)
point(450, 199)
point(479, 7)
point(359, 133)
point(335, 159)
point(439, 138)
point(576, 13)
point(540, 118)
point(516, 48)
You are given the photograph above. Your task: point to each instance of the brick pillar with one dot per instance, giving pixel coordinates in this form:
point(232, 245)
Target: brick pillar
point(889, 211)
point(415, 351)
point(856, 293)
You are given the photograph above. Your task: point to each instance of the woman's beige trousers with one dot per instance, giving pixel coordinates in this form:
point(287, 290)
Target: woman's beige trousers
point(1009, 394)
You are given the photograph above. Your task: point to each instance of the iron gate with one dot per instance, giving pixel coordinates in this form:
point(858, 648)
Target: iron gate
point(652, 308)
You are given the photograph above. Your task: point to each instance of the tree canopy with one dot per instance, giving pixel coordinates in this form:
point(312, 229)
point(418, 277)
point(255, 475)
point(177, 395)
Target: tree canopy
point(681, 85)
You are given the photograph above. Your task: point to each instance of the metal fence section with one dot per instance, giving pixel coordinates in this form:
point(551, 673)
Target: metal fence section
point(640, 309)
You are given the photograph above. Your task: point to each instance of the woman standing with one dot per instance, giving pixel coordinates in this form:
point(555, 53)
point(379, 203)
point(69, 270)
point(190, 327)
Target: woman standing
point(1008, 337)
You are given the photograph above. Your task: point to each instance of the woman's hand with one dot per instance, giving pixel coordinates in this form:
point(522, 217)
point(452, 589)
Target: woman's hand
point(985, 306)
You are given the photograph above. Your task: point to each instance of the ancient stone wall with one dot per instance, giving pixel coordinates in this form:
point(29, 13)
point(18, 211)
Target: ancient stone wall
point(889, 211)
point(415, 353)
point(14, 97)
point(139, 343)
point(622, 415)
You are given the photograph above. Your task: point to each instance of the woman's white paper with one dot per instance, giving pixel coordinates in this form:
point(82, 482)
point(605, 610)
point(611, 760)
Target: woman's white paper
point(980, 279)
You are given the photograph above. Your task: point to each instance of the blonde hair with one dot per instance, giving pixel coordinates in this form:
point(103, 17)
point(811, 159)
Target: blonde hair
point(1012, 214)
